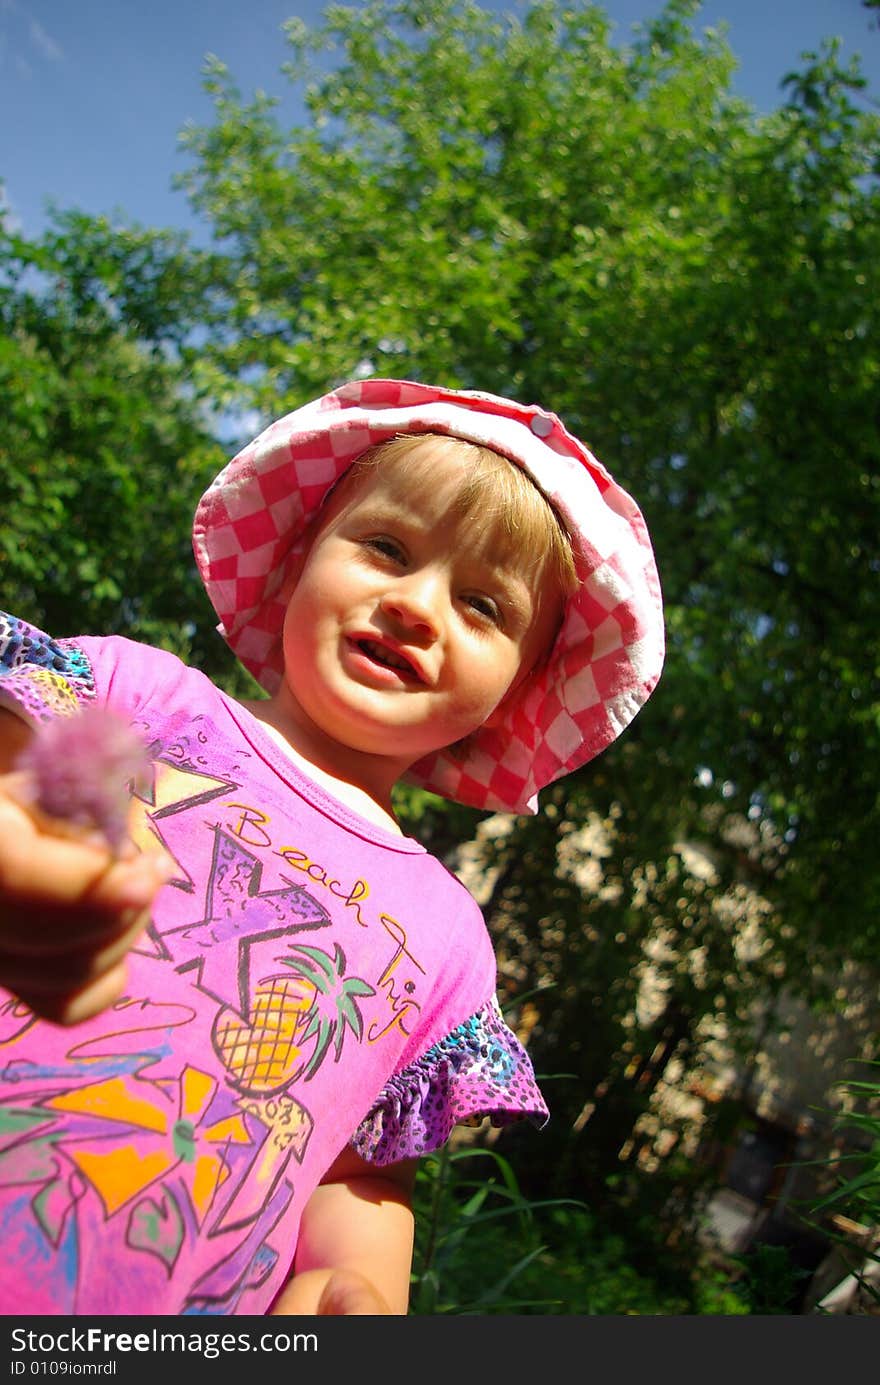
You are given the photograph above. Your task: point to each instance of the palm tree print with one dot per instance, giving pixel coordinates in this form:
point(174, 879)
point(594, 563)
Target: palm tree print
point(334, 1007)
point(312, 1003)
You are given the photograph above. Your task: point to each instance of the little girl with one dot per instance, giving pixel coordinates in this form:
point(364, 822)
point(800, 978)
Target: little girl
point(223, 1051)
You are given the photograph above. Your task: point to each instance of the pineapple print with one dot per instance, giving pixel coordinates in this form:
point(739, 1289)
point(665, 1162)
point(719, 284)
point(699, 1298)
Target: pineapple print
point(260, 1052)
point(293, 1019)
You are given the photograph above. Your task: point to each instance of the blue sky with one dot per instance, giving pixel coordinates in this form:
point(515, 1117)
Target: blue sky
point(93, 93)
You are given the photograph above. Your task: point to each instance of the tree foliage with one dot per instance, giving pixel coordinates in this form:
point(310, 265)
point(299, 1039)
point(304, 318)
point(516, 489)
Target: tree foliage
point(103, 452)
point(527, 207)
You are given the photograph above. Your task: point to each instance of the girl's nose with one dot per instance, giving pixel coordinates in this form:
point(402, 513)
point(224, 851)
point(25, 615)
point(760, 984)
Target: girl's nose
point(414, 601)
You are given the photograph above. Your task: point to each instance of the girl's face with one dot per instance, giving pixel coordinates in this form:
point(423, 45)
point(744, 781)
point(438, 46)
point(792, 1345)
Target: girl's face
point(408, 625)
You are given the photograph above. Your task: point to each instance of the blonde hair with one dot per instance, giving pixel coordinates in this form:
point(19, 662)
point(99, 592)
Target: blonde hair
point(497, 492)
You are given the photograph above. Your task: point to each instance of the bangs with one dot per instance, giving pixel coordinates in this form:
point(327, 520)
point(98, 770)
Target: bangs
point(497, 497)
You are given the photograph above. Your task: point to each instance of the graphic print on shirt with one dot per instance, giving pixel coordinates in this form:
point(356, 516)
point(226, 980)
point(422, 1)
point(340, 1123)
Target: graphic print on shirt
point(182, 1155)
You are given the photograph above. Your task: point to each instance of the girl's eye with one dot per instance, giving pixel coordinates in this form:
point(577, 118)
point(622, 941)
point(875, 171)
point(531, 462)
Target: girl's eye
point(484, 606)
point(389, 548)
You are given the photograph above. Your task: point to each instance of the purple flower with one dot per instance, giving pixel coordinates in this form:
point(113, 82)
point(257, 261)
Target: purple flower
point(81, 769)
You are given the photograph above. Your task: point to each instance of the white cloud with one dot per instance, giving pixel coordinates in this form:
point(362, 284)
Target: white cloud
point(45, 43)
point(24, 41)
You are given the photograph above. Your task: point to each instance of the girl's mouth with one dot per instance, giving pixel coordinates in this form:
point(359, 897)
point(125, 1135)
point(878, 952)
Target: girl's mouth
point(389, 658)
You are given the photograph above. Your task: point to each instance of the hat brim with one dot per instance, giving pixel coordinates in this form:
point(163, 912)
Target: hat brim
point(608, 655)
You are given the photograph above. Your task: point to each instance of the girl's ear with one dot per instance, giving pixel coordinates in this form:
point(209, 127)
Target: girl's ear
point(293, 570)
point(497, 715)
point(296, 558)
point(291, 577)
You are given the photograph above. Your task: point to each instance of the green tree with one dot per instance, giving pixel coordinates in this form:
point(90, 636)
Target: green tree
point(103, 449)
point(524, 206)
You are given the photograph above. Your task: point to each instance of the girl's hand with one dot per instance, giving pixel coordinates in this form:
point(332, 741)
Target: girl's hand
point(354, 1251)
point(348, 1294)
point(69, 912)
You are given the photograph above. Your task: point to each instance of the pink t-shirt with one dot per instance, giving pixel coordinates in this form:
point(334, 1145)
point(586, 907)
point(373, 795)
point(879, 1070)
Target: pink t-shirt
point(308, 981)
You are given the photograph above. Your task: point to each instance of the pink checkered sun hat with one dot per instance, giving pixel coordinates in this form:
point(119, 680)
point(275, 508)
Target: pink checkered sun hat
point(607, 658)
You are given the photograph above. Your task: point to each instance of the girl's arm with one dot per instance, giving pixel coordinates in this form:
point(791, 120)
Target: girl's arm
point(354, 1253)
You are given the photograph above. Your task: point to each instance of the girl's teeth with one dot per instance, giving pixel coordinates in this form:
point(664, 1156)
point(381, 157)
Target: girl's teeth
point(386, 656)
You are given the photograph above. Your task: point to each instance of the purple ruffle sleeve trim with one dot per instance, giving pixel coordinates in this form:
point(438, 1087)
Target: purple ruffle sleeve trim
point(40, 677)
point(480, 1069)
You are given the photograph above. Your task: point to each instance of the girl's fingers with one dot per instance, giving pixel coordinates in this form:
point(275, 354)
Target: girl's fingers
point(65, 871)
point(118, 907)
point(70, 910)
point(59, 972)
point(89, 1000)
point(55, 888)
